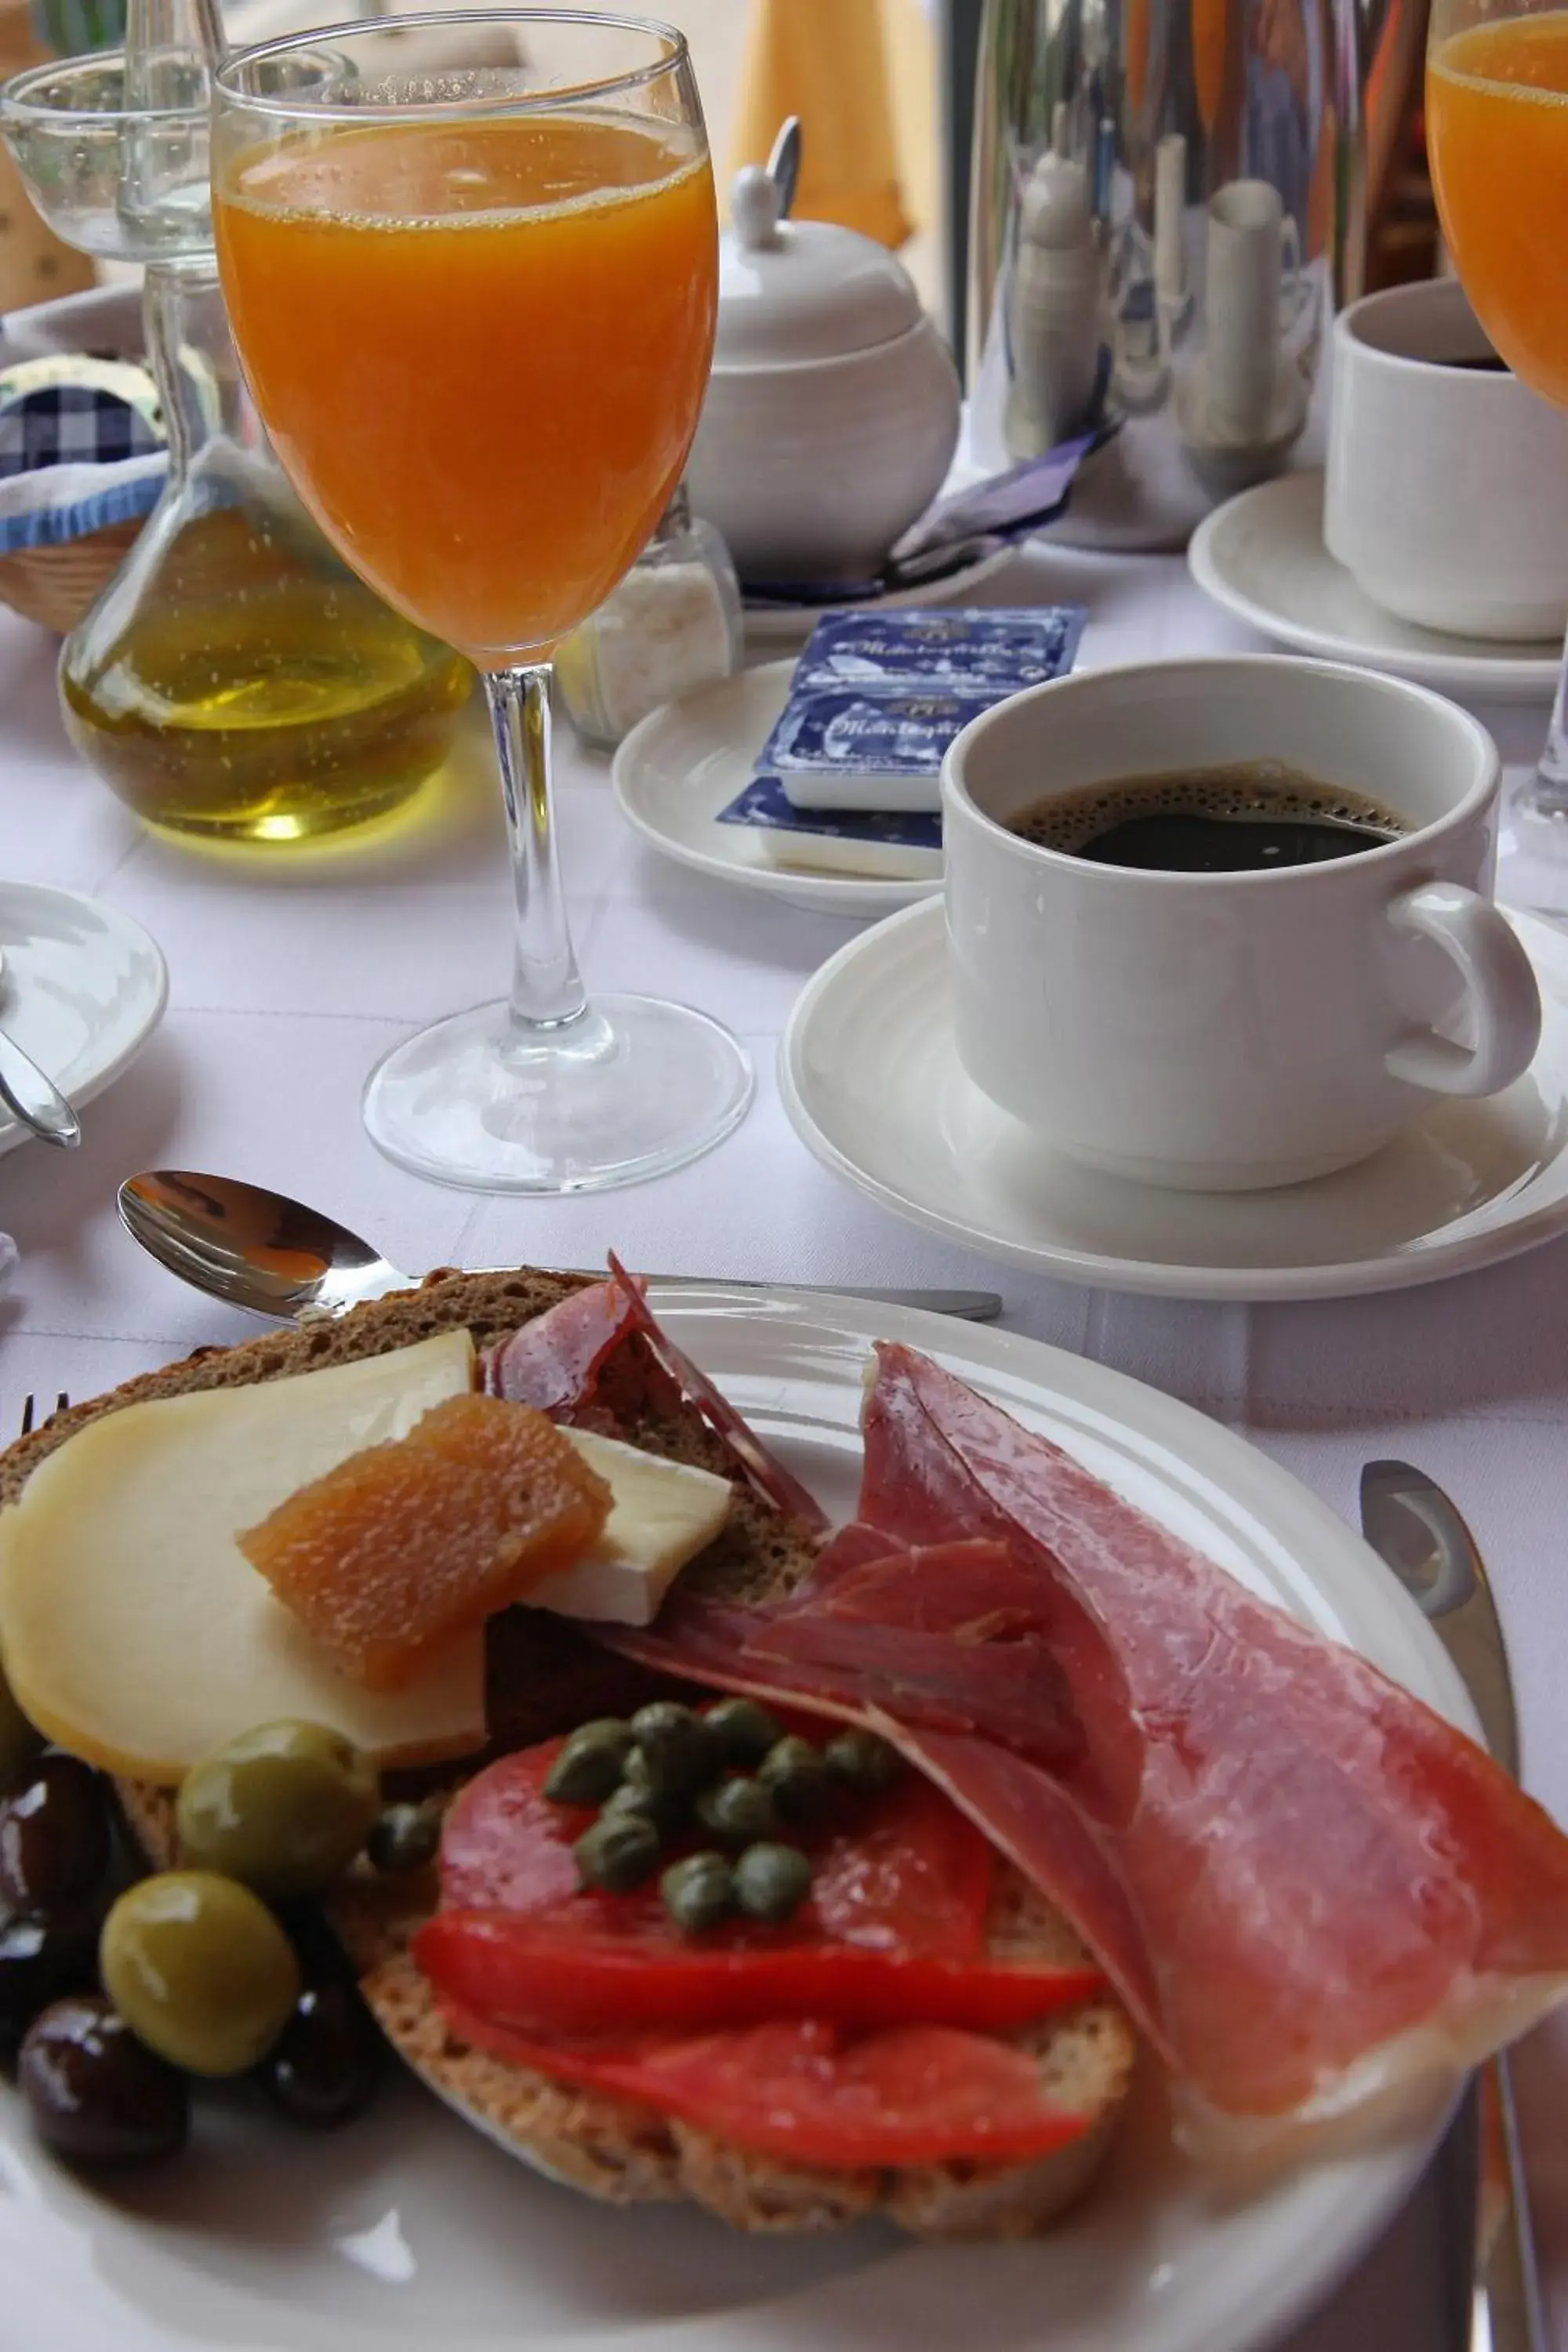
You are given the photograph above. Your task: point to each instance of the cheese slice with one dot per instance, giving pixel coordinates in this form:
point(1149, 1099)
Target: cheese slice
point(661, 1516)
point(134, 1630)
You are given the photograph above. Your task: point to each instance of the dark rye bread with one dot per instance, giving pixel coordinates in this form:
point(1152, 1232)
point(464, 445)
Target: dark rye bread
point(544, 1675)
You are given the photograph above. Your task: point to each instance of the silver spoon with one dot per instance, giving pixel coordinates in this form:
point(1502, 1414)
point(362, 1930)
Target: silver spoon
point(273, 1256)
point(34, 1099)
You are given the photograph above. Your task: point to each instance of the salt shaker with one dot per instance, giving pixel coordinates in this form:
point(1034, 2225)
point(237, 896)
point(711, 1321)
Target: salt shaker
point(673, 624)
point(1054, 312)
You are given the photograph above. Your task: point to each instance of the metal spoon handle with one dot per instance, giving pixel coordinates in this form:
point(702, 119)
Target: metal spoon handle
point(34, 1099)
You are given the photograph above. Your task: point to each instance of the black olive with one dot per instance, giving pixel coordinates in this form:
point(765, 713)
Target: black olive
point(38, 1959)
point(96, 2094)
point(324, 2067)
point(54, 1838)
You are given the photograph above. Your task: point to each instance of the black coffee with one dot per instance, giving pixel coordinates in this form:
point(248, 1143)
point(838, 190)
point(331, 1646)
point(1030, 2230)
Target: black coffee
point(1253, 819)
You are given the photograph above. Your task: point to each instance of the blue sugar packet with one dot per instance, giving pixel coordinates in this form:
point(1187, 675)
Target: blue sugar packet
point(994, 651)
point(890, 847)
point(879, 750)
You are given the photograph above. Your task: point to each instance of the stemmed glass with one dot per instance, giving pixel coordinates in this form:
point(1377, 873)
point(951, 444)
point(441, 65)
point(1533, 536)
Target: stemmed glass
point(470, 263)
point(1496, 131)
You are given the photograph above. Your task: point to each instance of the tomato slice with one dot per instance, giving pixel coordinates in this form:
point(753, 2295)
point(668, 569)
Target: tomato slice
point(820, 2093)
point(547, 1977)
point(903, 1872)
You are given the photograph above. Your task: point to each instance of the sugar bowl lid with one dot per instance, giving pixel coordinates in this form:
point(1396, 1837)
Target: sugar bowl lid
point(792, 290)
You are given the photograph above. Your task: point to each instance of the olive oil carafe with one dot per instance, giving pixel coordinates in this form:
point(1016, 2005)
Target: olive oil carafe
point(235, 679)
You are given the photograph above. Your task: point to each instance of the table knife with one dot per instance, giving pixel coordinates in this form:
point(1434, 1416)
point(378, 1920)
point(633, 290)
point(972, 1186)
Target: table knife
point(1414, 1527)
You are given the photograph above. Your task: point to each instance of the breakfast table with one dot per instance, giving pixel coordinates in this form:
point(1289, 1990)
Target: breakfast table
point(290, 973)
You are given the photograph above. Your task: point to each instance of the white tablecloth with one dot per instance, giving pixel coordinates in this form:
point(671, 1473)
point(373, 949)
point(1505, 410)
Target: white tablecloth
point(289, 976)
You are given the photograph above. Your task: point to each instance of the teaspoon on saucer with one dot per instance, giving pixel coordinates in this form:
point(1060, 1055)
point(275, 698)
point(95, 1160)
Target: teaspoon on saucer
point(260, 1251)
point(33, 1098)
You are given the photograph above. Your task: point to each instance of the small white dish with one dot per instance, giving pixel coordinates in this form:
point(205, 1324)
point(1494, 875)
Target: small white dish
point(1262, 558)
point(683, 764)
point(791, 624)
point(84, 988)
point(871, 1077)
point(408, 2230)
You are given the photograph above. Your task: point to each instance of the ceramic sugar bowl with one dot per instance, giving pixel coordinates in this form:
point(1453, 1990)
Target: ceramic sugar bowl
point(832, 414)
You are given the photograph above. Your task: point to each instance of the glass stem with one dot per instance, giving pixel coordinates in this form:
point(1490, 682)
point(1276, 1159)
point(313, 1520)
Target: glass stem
point(1550, 793)
point(546, 987)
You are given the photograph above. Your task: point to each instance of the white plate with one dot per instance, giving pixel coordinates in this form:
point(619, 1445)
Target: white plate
point(870, 1077)
point(679, 766)
point(791, 624)
point(1261, 557)
point(83, 988)
point(410, 2230)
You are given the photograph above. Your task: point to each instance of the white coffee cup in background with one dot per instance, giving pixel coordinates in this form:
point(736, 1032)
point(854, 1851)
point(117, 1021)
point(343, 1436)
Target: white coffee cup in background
point(1447, 484)
point(1252, 270)
point(1230, 1031)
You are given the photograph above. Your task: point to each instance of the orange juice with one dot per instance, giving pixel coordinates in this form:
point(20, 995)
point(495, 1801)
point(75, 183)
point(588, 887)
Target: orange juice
point(480, 349)
point(1497, 124)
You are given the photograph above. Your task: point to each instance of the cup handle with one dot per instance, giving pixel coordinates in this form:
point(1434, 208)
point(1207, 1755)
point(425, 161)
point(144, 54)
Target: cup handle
point(1499, 984)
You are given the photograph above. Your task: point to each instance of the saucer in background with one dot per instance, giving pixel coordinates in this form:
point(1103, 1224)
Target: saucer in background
point(82, 990)
point(1261, 558)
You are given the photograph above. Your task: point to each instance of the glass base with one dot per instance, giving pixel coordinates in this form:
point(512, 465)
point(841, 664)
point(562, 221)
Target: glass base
point(632, 1088)
point(1532, 848)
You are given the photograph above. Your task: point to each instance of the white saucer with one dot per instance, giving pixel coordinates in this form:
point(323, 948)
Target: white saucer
point(870, 1079)
point(679, 766)
point(82, 990)
point(791, 624)
point(1261, 557)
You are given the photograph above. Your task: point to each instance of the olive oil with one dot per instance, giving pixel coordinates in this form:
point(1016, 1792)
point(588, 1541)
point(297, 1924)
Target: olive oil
point(251, 694)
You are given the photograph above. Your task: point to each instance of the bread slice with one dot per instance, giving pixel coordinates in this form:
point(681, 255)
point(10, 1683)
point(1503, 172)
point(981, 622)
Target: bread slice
point(546, 1676)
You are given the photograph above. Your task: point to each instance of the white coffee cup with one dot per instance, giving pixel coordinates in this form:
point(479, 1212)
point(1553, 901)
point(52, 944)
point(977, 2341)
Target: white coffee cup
point(1252, 272)
point(1447, 486)
point(1230, 1031)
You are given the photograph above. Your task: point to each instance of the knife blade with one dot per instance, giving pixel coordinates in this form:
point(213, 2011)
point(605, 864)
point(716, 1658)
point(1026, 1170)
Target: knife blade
point(1417, 1531)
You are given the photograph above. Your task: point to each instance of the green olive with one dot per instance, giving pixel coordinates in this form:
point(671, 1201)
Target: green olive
point(283, 1808)
point(590, 1763)
point(618, 1855)
point(771, 1881)
point(19, 1742)
point(738, 1811)
point(743, 1731)
point(699, 1893)
point(863, 1762)
point(796, 1778)
point(405, 1837)
point(199, 1969)
point(674, 1748)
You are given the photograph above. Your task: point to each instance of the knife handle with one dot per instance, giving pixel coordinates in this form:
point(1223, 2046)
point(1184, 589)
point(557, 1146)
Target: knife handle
point(1506, 2313)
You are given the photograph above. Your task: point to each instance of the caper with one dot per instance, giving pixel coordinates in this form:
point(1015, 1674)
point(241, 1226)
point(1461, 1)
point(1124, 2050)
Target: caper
point(199, 1969)
point(19, 1741)
point(737, 1810)
point(283, 1808)
point(862, 1761)
point(699, 1893)
point(665, 1807)
point(797, 1779)
point(54, 1839)
point(98, 2096)
point(743, 1731)
point(589, 1765)
point(674, 1749)
point(771, 1881)
point(405, 1837)
point(618, 1855)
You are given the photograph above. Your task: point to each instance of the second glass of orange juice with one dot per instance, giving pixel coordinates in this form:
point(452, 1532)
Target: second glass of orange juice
point(475, 308)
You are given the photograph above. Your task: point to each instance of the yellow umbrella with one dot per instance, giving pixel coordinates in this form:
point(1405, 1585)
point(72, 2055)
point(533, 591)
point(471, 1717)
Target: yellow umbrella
point(827, 61)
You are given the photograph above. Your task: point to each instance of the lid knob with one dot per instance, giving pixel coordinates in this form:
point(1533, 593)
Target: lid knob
point(754, 208)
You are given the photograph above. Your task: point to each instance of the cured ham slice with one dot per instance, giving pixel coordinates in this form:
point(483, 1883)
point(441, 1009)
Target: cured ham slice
point(554, 1363)
point(1308, 1887)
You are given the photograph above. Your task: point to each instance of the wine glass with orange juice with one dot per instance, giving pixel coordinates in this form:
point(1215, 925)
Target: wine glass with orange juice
point(1497, 129)
point(474, 303)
